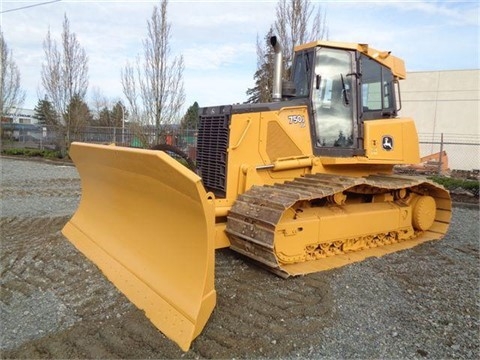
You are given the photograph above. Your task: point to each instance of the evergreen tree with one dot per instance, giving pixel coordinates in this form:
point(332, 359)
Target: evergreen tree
point(45, 113)
point(112, 117)
point(78, 114)
point(118, 114)
point(190, 119)
point(262, 91)
point(104, 117)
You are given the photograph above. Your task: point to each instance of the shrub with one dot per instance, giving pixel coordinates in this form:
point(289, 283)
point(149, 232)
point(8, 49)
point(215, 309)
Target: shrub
point(48, 154)
point(453, 184)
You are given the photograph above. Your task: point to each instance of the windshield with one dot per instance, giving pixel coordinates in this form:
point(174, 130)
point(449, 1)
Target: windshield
point(332, 98)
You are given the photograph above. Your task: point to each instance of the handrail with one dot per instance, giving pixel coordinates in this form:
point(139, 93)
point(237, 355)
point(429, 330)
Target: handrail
point(249, 122)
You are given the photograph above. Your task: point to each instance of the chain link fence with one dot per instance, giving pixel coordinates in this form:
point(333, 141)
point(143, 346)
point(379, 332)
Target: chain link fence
point(452, 154)
point(442, 154)
point(27, 136)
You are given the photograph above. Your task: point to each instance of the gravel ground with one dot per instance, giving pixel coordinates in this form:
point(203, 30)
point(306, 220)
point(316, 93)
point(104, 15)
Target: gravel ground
point(54, 303)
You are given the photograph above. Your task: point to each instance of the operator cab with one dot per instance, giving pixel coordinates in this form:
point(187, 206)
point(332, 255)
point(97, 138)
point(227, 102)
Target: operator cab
point(346, 87)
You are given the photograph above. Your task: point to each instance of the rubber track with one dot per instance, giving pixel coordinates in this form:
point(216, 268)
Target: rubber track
point(255, 215)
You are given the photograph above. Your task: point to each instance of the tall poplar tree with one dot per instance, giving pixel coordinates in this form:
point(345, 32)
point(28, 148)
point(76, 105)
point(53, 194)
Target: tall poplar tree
point(65, 80)
point(11, 93)
point(154, 88)
point(297, 22)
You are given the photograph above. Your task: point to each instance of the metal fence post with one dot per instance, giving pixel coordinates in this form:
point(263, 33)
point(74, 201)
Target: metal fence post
point(440, 159)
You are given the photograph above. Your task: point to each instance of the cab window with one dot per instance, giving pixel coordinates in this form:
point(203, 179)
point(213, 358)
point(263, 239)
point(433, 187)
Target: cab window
point(377, 90)
point(302, 73)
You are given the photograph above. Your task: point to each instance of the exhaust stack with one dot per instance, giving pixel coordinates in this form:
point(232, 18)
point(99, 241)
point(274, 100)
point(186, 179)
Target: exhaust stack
point(277, 69)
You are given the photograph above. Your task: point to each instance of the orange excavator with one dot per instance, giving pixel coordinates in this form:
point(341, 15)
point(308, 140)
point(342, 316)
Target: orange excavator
point(436, 163)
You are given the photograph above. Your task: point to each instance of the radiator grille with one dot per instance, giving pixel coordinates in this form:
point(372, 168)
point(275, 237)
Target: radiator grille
point(279, 144)
point(212, 144)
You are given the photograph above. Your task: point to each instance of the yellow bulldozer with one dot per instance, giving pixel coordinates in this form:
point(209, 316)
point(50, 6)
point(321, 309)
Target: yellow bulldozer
point(301, 184)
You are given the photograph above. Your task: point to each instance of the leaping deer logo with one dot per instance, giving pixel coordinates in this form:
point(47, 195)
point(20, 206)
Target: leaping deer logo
point(387, 143)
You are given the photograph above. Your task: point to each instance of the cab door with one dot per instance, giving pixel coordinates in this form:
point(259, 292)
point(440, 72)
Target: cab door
point(334, 101)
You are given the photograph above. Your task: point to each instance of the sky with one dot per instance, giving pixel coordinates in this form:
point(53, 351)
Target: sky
point(218, 38)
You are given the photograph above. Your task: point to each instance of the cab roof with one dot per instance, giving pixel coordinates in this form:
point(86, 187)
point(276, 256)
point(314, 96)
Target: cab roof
point(394, 63)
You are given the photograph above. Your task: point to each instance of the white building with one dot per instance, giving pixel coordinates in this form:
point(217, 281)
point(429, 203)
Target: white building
point(19, 116)
point(445, 102)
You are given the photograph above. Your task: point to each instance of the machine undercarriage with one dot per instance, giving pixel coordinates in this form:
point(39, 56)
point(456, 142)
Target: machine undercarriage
point(322, 221)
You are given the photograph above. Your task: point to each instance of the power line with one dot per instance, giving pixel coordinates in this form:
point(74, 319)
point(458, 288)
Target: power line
point(29, 6)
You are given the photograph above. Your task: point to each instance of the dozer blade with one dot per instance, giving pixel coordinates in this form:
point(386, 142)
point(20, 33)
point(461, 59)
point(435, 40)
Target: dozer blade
point(147, 222)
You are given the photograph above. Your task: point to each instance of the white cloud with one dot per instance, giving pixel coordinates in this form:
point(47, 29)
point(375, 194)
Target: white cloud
point(217, 38)
point(462, 13)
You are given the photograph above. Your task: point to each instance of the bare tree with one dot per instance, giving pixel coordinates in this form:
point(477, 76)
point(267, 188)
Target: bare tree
point(11, 94)
point(107, 112)
point(130, 90)
point(158, 79)
point(65, 79)
point(98, 101)
point(298, 23)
